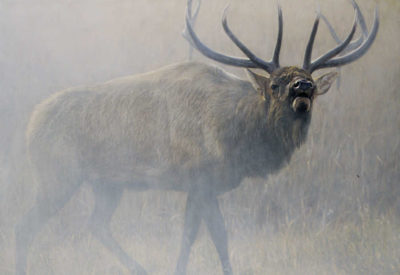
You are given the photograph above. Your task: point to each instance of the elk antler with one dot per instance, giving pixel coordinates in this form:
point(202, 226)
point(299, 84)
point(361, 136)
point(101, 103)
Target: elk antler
point(347, 51)
point(354, 50)
point(364, 30)
point(252, 62)
point(354, 44)
point(268, 66)
point(193, 22)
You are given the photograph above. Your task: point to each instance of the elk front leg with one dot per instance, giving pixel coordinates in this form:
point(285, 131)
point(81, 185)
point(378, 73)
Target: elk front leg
point(215, 223)
point(203, 205)
point(190, 229)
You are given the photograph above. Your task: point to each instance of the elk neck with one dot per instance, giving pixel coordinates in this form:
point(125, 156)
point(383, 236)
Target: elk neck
point(274, 132)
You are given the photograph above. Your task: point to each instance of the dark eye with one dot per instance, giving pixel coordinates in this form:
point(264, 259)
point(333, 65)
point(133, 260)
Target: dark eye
point(274, 87)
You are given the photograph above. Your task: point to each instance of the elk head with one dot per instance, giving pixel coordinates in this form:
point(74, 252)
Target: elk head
point(293, 85)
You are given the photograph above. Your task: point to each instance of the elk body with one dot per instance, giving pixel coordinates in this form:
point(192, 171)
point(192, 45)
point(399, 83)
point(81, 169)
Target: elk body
point(188, 127)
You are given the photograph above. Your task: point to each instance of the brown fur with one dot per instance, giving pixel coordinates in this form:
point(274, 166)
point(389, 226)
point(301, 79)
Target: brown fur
point(188, 127)
point(177, 119)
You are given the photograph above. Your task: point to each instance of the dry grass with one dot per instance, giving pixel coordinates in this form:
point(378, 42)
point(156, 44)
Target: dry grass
point(368, 246)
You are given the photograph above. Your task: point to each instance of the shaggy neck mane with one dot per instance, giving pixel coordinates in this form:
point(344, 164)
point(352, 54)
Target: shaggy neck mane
point(268, 141)
point(288, 128)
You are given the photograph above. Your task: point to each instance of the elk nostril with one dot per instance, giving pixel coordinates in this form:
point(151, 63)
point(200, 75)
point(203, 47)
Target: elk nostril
point(307, 85)
point(303, 85)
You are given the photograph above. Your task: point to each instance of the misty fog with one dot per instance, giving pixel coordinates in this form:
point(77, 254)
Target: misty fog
point(335, 209)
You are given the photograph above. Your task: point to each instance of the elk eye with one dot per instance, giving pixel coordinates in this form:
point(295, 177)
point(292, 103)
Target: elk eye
point(274, 87)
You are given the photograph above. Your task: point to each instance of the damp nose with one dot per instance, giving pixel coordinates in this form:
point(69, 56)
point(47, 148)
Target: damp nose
point(302, 85)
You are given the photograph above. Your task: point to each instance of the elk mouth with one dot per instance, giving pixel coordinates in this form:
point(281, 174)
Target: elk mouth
point(301, 104)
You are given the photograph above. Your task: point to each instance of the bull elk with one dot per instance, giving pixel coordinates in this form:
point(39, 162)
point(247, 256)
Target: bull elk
point(187, 127)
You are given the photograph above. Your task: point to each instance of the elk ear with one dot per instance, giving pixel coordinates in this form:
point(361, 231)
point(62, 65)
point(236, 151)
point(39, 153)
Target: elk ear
point(259, 82)
point(324, 82)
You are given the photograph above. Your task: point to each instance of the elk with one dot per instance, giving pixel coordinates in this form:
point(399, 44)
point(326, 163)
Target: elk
point(187, 127)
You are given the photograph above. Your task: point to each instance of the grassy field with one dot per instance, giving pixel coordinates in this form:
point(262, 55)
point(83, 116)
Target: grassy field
point(367, 245)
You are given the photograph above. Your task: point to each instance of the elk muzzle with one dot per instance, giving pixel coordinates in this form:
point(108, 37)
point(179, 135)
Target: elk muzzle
point(303, 85)
point(302, 90)
point(301, 104)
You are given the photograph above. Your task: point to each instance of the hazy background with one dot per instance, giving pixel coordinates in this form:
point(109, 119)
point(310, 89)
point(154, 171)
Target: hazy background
point(334, 210)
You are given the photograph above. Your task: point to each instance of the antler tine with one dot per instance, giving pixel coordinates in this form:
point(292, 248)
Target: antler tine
point(268, 66)
point(196, 12)
point(331, 29)
point(361, 21)
point(193, 22)
point(277, 51)
point(192, 19)
point(335, 51)
point(361, 46)
point(358, 52)
point(229, 60)
point(352, 45)
point(307, 56)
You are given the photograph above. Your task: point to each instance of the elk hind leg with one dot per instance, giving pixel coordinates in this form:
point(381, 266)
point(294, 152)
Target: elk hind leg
point(106, 201)
point(48, 203)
